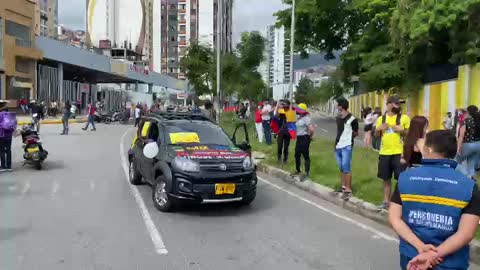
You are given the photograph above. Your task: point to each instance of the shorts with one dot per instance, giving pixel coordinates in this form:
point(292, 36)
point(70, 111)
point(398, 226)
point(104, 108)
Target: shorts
point(388, 166)
point(344, 159)
point(368, 128)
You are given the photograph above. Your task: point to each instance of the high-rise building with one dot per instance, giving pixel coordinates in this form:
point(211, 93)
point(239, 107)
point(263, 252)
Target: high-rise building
point(185, 22)
point(276, 67)
point(46, 18)
point(124, 24)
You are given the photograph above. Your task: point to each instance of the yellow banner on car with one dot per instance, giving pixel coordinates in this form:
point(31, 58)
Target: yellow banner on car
point(184, 137)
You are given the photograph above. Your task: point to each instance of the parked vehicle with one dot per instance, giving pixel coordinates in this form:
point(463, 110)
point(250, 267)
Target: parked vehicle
point(185, 157)
point(103, 118)
point(34, 153)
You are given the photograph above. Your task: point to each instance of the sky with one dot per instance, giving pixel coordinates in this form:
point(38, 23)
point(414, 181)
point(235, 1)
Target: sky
point(248, 15)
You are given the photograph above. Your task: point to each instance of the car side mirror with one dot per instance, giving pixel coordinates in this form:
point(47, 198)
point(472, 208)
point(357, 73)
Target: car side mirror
point(150, 150)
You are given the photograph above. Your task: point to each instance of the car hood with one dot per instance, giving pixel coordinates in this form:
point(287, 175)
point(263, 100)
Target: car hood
point(204, 151)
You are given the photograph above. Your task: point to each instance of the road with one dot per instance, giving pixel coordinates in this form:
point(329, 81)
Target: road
point(326, 127)
point(81, 213)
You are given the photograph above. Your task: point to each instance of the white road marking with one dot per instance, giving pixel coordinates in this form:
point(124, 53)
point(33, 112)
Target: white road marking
point(333, 213)
point(26, 188)
point(147, 219)
point(12, 188)
point(55, 188)
point(324, 130)
point(92, 185)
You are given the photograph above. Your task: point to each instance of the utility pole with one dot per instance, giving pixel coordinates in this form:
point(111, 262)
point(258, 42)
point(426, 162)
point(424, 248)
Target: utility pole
point(219, 50)
point(292, 43)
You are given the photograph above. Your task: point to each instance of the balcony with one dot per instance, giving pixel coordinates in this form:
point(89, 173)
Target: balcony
point(182, 1)
point(182, 32)
point(182, 11)
point(182, 21)
point(182, 42)
point(21, 47)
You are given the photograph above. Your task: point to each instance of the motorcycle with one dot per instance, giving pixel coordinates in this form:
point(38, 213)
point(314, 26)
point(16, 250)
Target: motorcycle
point(34, 153)
point(103, 118)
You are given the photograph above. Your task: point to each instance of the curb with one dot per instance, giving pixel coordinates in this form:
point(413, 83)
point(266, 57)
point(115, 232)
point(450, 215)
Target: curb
point(355, 205)
point(52, 122)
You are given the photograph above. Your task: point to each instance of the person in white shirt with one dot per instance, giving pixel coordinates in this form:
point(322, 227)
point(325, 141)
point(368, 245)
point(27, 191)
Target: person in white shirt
point(369, 118)
point(266, 118)
point(138, 115)
point(448, 122)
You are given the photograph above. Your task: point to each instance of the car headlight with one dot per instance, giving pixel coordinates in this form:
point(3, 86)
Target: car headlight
point(248, 163)
point(186, 165)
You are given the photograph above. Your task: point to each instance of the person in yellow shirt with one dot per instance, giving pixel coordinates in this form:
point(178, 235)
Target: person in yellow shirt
point(391, 127)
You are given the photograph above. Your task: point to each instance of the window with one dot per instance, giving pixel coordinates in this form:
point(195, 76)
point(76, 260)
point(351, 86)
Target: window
point(183, 28)
point(183, 38)
point(22, 65)
point(17, 30)
point(181, 17)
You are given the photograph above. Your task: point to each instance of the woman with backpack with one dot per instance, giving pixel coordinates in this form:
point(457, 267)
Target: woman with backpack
point(8, 125)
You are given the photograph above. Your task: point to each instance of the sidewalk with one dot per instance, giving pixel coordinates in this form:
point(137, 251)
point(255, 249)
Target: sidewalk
point(26, 120)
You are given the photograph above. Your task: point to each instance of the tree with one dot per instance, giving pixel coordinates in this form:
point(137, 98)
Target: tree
point(239, 73)
point(251, 48)
point(388, 43)
point(305, 89)
point(197, 66)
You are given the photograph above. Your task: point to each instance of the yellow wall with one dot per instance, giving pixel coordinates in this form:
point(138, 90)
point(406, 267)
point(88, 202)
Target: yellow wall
point(440, 97)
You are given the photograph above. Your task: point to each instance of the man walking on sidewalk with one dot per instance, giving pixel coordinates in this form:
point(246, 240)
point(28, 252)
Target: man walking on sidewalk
point(91, 110)
point(391, 127)
point(347, 130)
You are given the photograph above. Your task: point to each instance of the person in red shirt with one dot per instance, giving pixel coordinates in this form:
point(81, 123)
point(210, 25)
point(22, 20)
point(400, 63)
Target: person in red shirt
point(91, 110)
point(258, 122)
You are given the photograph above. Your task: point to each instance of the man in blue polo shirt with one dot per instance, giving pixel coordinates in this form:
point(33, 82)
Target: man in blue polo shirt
point(435, 210)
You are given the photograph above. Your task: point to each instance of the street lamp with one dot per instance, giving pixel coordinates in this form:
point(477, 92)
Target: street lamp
point(219, 47)
point(292, 42)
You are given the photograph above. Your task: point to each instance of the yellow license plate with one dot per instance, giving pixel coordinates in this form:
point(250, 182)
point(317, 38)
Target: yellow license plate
point(33, 150)
point(224, 189)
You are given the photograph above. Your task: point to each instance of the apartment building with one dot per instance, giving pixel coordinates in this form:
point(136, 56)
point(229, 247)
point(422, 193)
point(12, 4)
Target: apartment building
point(18, 54)
point(185, 22)
point(46, 18)
point(122, 24)
point(276, 66)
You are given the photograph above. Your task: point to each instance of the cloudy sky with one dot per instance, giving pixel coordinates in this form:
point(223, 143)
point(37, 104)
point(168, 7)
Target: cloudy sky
point(248, 14)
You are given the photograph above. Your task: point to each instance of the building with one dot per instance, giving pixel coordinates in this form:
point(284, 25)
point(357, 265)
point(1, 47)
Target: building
point(185, 22)
point(122, 24)
point(76, 38)
point(276, 67)
point(46, 18)
point(18, 54)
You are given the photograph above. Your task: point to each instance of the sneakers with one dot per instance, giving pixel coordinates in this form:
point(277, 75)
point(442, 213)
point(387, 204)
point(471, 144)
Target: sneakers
point(84, 128)
point(294, 174)
point(341, 190)
point(94, 129)
point(5, 170)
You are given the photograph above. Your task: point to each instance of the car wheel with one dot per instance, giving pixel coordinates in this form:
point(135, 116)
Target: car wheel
point(134, 175)
point(249, 198)
point(160, 198)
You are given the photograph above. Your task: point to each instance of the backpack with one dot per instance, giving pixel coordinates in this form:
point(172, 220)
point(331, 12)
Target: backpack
point(384, 120)
point(8, 122)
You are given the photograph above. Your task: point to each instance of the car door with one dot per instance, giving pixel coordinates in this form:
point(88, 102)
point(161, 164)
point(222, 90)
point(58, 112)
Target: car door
point(148, 163)
point(240, 138)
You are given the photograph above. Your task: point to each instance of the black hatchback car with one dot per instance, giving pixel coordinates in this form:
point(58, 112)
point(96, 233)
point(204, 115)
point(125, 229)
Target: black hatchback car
point(185, 157)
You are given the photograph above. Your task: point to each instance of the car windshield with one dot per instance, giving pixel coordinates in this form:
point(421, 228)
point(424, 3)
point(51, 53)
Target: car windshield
point(196, 133)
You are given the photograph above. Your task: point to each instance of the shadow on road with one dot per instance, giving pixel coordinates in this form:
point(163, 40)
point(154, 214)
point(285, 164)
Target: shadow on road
point(10, 233)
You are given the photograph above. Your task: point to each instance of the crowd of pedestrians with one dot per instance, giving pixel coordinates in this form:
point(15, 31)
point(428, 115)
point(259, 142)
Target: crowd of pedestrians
point(435, 205)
